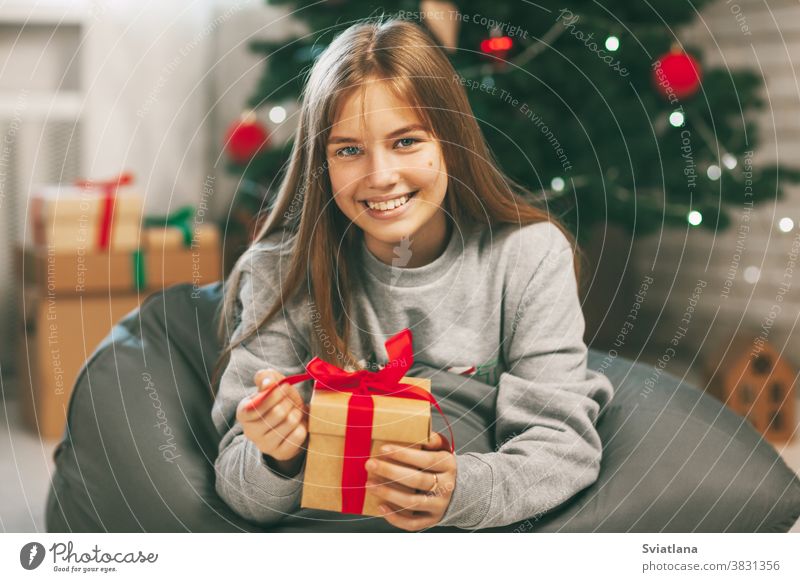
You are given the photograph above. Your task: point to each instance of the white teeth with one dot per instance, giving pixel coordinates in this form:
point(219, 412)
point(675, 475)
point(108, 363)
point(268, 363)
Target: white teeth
point(390, 205)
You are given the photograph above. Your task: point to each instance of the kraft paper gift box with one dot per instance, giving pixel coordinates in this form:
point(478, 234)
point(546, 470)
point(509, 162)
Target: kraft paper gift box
point(171, 257)
point(175, 231)
point(88, 216)
point(67, 307)
point(351, 415)
point(395, 420)
point(56, 338)
point(71, 300)
point(179, 248)
point(147, 268)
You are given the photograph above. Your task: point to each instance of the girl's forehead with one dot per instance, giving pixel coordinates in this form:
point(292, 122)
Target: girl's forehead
point(374, 103)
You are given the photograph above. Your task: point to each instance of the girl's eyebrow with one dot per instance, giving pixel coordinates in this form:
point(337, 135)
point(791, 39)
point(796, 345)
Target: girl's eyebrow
point(395, 133)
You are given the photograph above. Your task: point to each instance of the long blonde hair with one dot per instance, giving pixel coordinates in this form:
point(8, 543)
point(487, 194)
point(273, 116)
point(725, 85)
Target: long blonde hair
point(404, 56)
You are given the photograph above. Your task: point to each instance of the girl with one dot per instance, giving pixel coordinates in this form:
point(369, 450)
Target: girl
point(392, 215)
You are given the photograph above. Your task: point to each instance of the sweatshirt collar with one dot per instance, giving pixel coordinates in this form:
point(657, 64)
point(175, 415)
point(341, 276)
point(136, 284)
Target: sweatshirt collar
point(413, 276)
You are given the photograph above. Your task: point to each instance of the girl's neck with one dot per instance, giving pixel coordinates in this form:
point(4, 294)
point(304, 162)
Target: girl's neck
point(424, 247)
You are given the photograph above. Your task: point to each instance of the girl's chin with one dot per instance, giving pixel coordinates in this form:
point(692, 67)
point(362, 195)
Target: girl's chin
point(389, 235)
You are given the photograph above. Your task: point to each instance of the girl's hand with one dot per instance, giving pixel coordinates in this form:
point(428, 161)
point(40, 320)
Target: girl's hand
point(276, 419)
point(404, 480)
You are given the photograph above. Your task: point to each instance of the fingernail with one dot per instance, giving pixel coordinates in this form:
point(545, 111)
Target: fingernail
point(370, 465)
point(387, 449)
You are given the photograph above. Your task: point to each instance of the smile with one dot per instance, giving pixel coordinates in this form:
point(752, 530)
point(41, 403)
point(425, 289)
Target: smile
point(390, 209)
point(389, 204)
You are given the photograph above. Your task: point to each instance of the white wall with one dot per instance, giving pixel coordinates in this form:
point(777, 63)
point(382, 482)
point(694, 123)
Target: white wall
point(144, 73)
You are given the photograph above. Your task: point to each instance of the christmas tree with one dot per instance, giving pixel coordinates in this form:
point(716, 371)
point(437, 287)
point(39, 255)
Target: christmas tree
point(596, 108)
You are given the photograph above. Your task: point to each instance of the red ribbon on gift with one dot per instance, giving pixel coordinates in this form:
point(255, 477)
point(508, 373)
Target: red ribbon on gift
point(109, 188)
point(362, 384)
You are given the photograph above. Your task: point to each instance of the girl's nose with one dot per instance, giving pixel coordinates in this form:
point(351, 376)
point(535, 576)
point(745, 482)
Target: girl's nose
point(382, 172)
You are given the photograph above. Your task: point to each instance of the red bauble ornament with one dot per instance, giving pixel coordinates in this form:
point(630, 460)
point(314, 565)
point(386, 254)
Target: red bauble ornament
point(677, 73)
point(497, 46)
point(245, 137)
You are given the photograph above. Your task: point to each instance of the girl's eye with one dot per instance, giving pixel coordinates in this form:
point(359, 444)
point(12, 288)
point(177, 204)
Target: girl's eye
point(402, 143)
point(407, 142)
point(347, 152)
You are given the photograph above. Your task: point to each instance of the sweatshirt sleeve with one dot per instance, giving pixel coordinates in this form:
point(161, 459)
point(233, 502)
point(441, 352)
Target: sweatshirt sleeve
point(243, 479)
point(547, 405)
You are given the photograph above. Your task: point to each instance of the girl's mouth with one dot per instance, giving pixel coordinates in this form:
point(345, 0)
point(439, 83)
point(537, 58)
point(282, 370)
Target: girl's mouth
point(392, 208)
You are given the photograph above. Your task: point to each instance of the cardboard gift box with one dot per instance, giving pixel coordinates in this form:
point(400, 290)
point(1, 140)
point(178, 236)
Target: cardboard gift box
point(70, 302)
point(88, 216)
point(395, 420)
point(59, 333)
point(351, 415)
point(148, 267)
point(170, 260)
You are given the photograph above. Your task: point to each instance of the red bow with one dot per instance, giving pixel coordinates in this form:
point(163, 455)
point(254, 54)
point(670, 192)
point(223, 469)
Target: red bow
point(107, 214)
point(360, 383)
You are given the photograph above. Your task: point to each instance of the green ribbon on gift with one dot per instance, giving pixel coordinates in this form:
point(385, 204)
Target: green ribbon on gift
point(139, 272)
point(181, 218)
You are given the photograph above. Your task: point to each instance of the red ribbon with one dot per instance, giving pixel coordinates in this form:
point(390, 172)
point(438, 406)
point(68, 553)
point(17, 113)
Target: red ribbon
point(109, 188)
point(360, 383)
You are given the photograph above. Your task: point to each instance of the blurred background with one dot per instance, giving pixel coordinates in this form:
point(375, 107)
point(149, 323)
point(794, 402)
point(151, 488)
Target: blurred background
point(666, 135)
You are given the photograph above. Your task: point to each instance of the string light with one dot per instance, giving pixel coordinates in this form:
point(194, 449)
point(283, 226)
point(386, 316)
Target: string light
point(714, 172)
point(277, 114)
point(676, 118)
point(786, 224)
point(612, 43)
point(694, 217)
point(557, 184)
point(752, 274)
point(729, 161)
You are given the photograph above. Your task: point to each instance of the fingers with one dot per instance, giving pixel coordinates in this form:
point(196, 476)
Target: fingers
point(294, 395)
point(268, 378)
point(264, 378)
point(436, 461)
point(437, 442)
point(257, 401)
point(257, 405)
point(408, 520)
point(405, 487)
point(294, 440)
point(381, 471)
point(274, 416)
point(285, 438)
point(266, 382)
point(270, 411)
point(404, 498)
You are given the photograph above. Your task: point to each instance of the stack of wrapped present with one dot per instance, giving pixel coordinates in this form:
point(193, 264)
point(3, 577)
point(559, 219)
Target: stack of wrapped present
point(92, 258)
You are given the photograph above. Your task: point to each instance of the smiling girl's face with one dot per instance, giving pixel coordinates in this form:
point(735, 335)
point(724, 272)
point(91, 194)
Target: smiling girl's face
point(388, 175)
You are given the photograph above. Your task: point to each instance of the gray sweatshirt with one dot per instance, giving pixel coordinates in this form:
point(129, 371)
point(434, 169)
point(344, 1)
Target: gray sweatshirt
point(501, 304)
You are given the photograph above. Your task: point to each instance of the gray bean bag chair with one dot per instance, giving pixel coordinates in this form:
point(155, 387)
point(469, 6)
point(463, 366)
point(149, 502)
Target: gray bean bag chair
point(138, 452)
